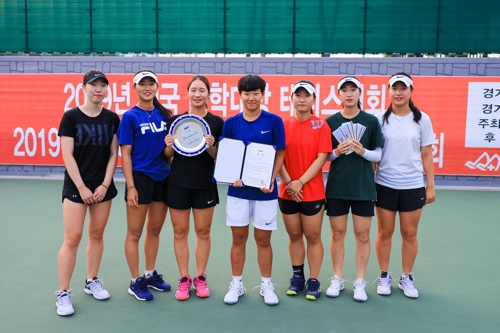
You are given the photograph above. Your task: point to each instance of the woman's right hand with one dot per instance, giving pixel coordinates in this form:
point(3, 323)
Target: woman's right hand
point(87, 195)
point(237, 183)
point(343, 148)
point(169, 141)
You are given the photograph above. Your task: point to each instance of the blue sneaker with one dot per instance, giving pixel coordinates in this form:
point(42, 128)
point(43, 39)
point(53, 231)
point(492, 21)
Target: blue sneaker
point(156, 282)
point(139, 289)
point(313, 287)
point(297, 283)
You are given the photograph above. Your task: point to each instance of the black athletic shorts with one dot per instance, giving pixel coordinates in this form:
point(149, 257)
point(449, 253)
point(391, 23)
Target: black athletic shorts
point(74, 196)
point(309, 208)
point(185, 198)
point(339, 207)
point(400, 200)
point(148, 189)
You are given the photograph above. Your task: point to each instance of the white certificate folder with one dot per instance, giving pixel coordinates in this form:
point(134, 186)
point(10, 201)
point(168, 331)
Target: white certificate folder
point(251, 162)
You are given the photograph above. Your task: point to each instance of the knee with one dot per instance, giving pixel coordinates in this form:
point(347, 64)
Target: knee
point(239, 241)
point(313, 239)
point(96, 235)
point(203, 233)
point(134, 235)
point(409, 236)
point(154, 231)
point(295, 237)
point(181, 233)
point(363, 238)
point(338, 235)
point(72, 241)
point(263, 242)
point(385, 234)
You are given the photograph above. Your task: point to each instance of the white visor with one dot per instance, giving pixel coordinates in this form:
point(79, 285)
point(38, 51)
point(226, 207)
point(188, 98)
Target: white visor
point(307, 86)
point(139, 76)
point(403, 78)
point(349, 79)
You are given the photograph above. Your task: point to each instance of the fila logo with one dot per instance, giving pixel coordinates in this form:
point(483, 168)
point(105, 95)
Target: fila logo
point(315, 124)
point(152, 127)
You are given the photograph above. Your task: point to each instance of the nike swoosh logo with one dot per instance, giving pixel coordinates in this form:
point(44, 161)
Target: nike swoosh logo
point(422, 198)
point(268, 223)
point(264, 132)
point(209, 202)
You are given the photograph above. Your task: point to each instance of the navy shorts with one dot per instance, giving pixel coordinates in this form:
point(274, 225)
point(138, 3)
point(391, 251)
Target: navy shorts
point(185, 198)
point(309, 208)
point(339, 207)
point(400, 200)
point(148, 189)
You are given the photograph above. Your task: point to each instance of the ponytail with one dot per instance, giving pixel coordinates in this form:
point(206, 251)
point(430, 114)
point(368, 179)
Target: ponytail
point(166, 113)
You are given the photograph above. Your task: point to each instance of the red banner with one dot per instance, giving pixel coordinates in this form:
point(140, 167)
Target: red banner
point(465, 111)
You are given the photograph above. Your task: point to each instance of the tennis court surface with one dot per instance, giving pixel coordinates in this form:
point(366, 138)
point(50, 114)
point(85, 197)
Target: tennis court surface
point(457, 272)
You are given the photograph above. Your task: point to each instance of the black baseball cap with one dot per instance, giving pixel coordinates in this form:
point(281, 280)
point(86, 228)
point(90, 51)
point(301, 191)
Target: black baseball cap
point(93, 75)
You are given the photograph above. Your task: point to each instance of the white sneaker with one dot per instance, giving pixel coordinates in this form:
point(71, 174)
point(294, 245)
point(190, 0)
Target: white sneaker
point(267, 291)
point(336, 285)
point(235, 291)
point(384, 283)
point(360, 290)
point(407, 286)
point(94, 287)
point(63, 303)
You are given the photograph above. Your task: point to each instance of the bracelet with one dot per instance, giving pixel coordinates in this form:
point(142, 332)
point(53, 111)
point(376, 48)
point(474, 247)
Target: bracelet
point(300, 181)
point(286, 184)
point(128, 188)
point(104, 186)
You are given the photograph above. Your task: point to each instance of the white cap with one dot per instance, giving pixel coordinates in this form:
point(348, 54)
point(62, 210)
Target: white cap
point(349, 79)
point(139, 76)
point(306, 85)
point(402, 78)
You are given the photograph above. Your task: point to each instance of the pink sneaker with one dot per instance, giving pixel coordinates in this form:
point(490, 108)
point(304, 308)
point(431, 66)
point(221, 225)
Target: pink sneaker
point(182, 292)
point(200, 285)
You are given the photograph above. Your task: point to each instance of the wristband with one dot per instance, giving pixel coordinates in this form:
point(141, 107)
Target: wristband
point(128, 188)
point(288, 182)
point(300, 181)
point(104, 186)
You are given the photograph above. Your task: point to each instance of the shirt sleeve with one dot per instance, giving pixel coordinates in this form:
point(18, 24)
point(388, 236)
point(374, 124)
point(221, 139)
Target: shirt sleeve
point(117, 123)
point(67, 126)
point(325, 139)
point(426, 131)
point(279, 134)
point(226, 129)
point(376, 140)
point(125, 131)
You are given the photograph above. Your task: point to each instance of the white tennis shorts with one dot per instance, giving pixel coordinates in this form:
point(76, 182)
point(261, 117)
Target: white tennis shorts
point(263, 213)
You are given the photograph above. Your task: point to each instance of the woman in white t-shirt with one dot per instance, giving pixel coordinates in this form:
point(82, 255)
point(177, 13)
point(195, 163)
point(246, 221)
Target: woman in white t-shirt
point(406, 157)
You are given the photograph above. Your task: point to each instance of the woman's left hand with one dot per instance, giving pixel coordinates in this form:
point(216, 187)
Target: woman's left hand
point(357, 147)
point(100, 193)
point(430, 195)
point(210, 140)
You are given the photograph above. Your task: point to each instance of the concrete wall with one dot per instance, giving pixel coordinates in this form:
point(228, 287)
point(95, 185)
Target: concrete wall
point(250, 65)
point(268, 66)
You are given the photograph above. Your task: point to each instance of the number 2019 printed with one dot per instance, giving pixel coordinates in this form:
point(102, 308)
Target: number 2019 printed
point(29, 141)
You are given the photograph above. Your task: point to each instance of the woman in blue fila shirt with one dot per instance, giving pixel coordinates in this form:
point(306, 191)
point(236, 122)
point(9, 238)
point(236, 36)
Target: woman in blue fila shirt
point(141, 136)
